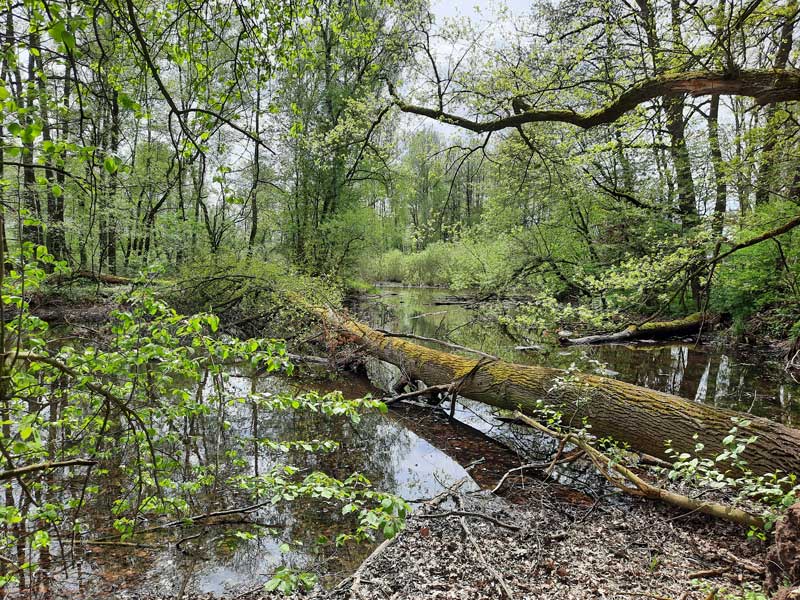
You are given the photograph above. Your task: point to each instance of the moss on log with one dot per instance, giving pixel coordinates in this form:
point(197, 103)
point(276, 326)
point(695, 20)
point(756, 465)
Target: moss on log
point(91, 276)
point(641, 417)
point(652, 329)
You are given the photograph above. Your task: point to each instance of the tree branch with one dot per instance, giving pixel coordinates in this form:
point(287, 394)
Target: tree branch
point(19, 471)
point(764, 85)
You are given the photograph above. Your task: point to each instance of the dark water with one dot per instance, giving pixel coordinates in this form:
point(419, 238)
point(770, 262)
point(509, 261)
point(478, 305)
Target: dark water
point(413, 452)
point(414, 461)
point(741, 380)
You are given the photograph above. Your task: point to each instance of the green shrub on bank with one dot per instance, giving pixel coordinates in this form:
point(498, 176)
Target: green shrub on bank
point(462, 264)
point(762, 280)
point(251, 292)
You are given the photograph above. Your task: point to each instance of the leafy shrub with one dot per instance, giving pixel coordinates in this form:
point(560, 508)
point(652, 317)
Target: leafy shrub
point(251, 292)
point(119, 437)
point(764, 275)
point(467, 263)
point(769, 495)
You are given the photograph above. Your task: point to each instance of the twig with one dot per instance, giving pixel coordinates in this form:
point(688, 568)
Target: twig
point(494, 573)
point(543, 465)
point(186, 539)
point(420, 392)
point(112, 543)
point(609, 468)
point(355, 588)
point(461, 513)
point(708, 573)
point(538, 466)
point(45, 466)
point(439, 498)
point(475, 463)
point(741, 562)
point(642, 595)
point(219, 513)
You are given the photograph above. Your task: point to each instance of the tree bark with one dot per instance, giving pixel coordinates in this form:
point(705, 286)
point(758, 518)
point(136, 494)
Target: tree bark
point(654, 329)
point(720, 184)
point(765, 86)
point(765, 180)
point(643, 418)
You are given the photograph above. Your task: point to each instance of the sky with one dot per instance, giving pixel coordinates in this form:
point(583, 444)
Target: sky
point(479, 11)
point(476, 9)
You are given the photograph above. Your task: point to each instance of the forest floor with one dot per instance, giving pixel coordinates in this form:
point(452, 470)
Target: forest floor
point(562, 549)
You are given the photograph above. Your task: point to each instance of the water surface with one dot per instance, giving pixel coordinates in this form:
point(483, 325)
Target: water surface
point(740, 379)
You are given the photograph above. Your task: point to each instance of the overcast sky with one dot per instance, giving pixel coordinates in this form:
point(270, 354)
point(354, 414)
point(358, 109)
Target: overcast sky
point(479, 11)
point(476, 9)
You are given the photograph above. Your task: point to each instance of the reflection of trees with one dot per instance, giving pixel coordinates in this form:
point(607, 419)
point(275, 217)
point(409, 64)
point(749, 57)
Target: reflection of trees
point(675, 368)
point(221, 442)
point(723, 379)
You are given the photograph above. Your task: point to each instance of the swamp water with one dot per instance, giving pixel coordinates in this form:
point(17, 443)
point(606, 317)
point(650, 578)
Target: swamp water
point(709, 374)
point(413, 452)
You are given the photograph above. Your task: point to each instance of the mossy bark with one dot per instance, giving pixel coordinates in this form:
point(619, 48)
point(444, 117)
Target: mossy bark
point(653, 330)
point(641, 417)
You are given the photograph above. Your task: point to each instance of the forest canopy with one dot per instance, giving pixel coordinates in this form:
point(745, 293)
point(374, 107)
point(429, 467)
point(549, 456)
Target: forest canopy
point(564, 145)
point(626, 168)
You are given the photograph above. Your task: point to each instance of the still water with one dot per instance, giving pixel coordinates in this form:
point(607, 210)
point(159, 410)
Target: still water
point(413, 452)
point(737, 379)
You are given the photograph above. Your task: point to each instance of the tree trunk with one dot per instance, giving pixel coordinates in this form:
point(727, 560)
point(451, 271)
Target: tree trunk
point(720, 184)
point(654, 329)
point(765, 180)
point(643, 418)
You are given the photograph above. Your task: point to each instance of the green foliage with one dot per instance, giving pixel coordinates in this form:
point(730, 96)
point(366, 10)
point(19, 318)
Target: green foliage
point(125, 404)
point(749, 591)
point(251, 291)
point(286, 581)
point(764, 276)
point(542, 316)
point(769, 495)
point(467, 263)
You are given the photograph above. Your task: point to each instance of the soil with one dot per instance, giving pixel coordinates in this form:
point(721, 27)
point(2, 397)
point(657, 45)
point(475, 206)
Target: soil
point(783, 558)
point(611, 548)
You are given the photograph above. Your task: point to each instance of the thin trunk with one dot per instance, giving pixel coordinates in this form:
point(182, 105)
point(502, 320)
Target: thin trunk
point(30, 232)
point(256, 174)
point(720, 185)
point(767, 177)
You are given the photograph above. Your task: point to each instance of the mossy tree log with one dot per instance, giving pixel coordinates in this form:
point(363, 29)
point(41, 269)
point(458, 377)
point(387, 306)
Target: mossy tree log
point(652, 330)
point(641, 417)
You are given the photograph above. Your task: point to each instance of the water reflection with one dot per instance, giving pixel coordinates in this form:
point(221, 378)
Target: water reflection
point(721, 376)
point(230, 554)
point(412, 452)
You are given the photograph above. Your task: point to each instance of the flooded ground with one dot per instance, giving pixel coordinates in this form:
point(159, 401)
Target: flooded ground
point(745, 381)
point(415, 452)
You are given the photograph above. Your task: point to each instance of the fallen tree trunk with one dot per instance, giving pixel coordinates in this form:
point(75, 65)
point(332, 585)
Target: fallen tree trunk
point(641, 417)
point(627, 481)
point(91, 276)
point(652, 330)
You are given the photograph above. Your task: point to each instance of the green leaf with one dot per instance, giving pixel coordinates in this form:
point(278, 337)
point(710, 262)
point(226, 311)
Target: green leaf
point(111, 164)
point(272, 584)
point(30, 133)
